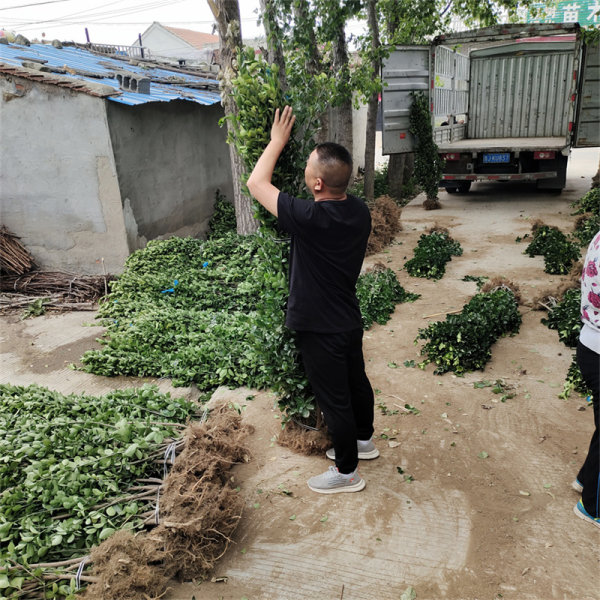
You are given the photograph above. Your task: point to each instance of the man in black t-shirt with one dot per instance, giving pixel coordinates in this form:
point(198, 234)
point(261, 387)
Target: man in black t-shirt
point(328, 242)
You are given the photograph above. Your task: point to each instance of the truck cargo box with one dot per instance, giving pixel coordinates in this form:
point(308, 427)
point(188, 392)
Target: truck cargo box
point(506, 102)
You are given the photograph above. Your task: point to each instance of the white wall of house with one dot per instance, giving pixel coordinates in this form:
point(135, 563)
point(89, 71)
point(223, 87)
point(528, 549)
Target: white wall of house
point(162, 42)
point(58, 182)
point(84, 181)
point(171, 159)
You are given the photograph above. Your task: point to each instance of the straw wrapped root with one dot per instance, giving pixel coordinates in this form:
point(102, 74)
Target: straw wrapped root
point(431, 204)
point(385, 217)
point(311, 442)
point(199, 511)
point(128, 567)
point(549, 298)
point(498, 283)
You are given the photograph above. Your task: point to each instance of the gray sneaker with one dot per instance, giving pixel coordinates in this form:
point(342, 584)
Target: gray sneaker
point(366, 450)
point(576, 485)
point(334, 482)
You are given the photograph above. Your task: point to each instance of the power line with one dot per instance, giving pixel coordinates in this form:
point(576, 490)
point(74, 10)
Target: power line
point(91, 14)
point(34, 4)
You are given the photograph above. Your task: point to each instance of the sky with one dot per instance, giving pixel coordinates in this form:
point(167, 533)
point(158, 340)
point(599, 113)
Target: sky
point(113, 21)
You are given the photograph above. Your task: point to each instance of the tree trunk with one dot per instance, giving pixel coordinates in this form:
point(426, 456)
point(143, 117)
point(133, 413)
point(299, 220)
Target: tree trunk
point(369, 181)
point(227, 15)
point(342, 126)
point(306, 38)
point(409, 166)
point(395, 175)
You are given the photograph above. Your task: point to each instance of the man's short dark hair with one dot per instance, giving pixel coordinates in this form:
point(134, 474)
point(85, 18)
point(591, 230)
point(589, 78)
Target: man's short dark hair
point(336, 165)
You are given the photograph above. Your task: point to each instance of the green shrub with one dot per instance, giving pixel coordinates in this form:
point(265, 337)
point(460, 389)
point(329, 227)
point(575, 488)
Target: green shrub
point(565, 317)
point(586, 228)
point(65, 459)
point(463, 341)
point(432, 253)
point(212, 313)
point(589, 203)
point(558, 252)
point(428, 164)
point(223, 219)
point(378, 293)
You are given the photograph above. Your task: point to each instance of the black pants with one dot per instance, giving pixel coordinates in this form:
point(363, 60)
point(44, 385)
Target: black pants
point(589, 475)
point(335, 368)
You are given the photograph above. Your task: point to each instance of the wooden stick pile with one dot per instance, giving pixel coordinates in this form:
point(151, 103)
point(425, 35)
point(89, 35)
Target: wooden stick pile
point(63, 291)
point(14, 258)
point(21, 285)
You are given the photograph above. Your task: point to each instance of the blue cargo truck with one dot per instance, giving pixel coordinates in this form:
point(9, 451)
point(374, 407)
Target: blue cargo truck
point(507, 102)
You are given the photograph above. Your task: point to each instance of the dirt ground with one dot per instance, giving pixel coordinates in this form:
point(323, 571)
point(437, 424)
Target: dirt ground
point(470, 498)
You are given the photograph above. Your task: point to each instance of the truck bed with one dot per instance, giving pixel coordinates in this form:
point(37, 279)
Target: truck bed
point(504, 144)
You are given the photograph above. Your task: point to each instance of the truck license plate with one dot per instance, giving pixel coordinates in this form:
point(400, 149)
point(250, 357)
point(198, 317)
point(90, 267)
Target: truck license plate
point(496, 157)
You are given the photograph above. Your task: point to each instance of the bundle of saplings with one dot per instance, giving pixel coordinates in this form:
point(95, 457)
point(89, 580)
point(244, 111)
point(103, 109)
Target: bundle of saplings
point(558, 251)
point(74, 470)
point(433, 251)
point(588, 223)
point(463, 341)
point(565, 317)
point(212, 313)
point(378, 292)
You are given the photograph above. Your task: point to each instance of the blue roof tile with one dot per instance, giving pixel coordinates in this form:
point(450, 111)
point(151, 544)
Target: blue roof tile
point(106, 68)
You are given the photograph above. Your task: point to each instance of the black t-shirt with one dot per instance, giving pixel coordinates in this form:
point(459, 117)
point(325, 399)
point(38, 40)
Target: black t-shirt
point(329, 240)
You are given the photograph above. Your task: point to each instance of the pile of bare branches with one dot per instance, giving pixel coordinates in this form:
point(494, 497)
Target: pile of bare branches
point(14, 258)
point(60, 291)
point(21, 285)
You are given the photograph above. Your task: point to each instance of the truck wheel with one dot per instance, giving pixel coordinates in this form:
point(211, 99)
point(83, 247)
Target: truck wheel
point(464, 187)
point(452, 190)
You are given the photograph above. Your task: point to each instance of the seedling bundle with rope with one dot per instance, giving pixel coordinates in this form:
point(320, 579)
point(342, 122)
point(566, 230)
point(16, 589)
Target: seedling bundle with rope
point(463, 341)
point(126, 476)
point(563, 301)
point(434, 250)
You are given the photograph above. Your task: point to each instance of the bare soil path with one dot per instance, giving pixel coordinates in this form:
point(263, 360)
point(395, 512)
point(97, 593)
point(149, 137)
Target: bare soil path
point(435, 515)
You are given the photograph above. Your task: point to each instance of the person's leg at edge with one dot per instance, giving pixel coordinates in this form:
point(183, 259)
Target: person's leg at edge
point(361, 391)
point(324, 358)
point(589, 474)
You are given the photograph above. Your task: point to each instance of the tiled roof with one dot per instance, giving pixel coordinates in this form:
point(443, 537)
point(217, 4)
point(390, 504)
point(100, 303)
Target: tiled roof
point(95, 74)
point(194, 38)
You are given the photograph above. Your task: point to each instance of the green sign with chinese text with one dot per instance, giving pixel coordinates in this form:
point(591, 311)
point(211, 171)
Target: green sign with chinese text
point(584, 12)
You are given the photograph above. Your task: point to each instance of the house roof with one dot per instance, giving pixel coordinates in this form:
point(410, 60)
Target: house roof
point(193, 38)
point(96, 74)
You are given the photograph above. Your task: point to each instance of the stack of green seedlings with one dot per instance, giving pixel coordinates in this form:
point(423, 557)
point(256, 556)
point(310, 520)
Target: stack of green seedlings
point(463, 341)
point(223, 220)
point(74, 470)
point(558, 251)
point(565, 315)
point(565, 318)
point(212, 313)
point(588, 223)
point(378, 292)
point(433, 251)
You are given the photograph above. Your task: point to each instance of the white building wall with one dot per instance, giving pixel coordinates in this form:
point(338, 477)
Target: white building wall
point(162, 42)
point(58, 182)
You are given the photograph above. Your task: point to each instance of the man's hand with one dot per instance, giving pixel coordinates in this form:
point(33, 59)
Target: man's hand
point(259, 182)
point(282, 126)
